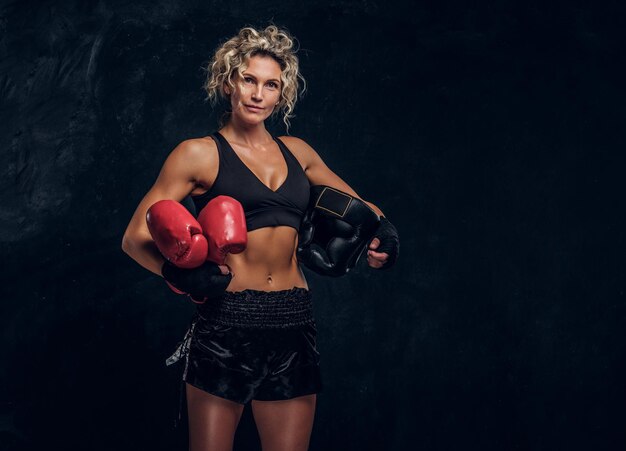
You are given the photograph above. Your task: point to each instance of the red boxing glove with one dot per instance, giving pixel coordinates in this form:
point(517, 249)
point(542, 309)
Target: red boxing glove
point(177, 234)
point(224, 224)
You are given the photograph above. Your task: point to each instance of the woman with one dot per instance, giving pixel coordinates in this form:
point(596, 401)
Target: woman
point(275, 368)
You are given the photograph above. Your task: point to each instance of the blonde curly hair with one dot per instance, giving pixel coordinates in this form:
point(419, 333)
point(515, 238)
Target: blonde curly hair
point(234, 54)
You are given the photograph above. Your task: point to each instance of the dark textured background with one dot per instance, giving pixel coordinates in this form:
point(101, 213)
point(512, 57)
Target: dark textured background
point(492, 135)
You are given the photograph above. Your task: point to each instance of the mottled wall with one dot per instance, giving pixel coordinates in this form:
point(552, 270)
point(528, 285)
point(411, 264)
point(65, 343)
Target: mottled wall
point(490, 134)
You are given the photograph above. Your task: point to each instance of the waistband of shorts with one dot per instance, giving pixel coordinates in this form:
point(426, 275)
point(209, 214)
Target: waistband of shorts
point(260, 309)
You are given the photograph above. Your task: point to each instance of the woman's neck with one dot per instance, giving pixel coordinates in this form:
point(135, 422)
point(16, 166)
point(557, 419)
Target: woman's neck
point(251, 135)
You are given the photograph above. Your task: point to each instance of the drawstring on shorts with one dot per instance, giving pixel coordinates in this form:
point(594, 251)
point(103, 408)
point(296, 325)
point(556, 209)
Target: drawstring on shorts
point(182, 351)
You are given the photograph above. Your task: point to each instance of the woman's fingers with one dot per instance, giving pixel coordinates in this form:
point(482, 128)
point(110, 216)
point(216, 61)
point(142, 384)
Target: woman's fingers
point(225, 269)
point(376, 259)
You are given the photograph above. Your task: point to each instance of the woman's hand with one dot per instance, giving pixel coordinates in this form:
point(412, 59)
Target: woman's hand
point(384, 248)
point(376, 259)
point(205, 282)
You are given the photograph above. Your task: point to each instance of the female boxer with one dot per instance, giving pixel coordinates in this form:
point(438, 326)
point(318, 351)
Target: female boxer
point(257, 342)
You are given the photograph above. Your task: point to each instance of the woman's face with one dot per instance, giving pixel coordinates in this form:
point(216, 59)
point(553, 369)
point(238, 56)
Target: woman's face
point(258, 92)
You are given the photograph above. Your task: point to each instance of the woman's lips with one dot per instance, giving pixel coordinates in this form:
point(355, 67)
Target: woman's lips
point(254, 108)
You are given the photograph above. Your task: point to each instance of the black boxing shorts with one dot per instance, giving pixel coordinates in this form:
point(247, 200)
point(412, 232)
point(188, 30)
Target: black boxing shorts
point(253, 344)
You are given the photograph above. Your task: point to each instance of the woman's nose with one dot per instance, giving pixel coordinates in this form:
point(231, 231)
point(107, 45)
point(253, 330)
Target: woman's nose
point(257, 94)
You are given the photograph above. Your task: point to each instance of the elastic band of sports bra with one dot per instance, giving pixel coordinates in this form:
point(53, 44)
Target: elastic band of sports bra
point(260, 309)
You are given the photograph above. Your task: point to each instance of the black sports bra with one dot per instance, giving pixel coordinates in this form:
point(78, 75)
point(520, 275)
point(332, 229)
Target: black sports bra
point(262, 206)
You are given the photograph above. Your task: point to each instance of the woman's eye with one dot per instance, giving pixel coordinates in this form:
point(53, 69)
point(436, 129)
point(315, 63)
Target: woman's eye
point(248, 80)
point(273, 85)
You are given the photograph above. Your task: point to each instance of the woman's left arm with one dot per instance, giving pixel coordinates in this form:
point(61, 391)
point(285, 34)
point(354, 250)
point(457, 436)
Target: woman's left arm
point(384, 248)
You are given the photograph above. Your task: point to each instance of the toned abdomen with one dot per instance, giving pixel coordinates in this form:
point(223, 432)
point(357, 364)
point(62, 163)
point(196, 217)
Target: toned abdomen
point(269, 262)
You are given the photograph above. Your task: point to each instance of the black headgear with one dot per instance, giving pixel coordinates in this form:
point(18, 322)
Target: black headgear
point(335, 231)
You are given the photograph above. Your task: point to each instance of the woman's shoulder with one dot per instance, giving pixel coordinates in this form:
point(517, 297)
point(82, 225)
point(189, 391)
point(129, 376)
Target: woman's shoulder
point(299, 148)
point(297, 145)
point(293, 140)
point(206, 143)
point(196, 149)
point(199, 159)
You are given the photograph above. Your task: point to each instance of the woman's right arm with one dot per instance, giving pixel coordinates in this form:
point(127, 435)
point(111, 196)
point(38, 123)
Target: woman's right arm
point(177, 179)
